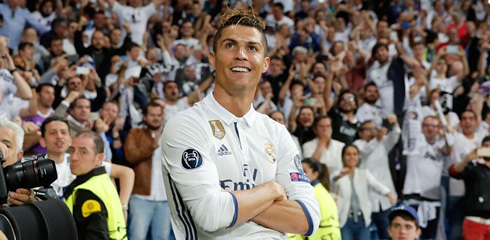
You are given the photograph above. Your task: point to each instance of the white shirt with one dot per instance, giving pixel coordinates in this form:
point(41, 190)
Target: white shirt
point(462, 146)
point(157, 192)
point(424, 169)
point(379, 75)
point(171, 110)
point(8, 87)
point(275, 24)
point(331, 155)
point(444, 84)
point(367, 112)
point(136, 17)
point(374, 157)
point(206, 150)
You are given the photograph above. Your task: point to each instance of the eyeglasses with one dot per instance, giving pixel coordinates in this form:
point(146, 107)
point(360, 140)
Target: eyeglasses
point(349, 99)
point(430, 125)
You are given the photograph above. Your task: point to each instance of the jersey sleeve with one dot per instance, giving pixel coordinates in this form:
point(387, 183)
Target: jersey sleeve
point(90, 216)
point(192, 174)
point(291, 176)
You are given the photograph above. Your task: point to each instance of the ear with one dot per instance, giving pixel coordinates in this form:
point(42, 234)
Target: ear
point(266, 64)
point(20, 154)
point(99, 158)
point(212, 59)
point(42, 142)
point(418, 233)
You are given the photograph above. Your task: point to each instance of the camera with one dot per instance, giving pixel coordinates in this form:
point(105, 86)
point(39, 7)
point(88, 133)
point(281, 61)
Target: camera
point(36, 173)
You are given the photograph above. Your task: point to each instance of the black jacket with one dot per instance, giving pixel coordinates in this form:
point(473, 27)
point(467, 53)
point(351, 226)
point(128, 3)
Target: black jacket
point(476, 176)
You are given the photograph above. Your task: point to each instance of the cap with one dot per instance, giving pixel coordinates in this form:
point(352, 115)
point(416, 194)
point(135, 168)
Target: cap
point(404, 208)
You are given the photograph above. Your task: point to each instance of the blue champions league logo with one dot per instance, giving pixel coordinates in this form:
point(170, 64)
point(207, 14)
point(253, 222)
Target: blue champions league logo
point(191, 159)
point(299, 177)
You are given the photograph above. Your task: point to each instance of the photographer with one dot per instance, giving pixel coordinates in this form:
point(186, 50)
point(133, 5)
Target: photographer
point(11, 138)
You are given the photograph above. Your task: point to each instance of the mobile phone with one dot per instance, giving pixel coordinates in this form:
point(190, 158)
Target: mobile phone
point(452, 49)
point(387, 124)
point(483, 152)
point(394, 36)
point(82, 71)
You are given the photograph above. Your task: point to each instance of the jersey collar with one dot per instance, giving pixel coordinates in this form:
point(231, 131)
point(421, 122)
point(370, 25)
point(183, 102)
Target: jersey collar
point(226, 116)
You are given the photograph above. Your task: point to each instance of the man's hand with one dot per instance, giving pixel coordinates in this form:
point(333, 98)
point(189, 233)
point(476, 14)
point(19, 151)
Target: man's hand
point(392, 119)
point(30, 128)
point(278, 191)
point(21, 197)
point(471, 155)
point(72, 96)
point(101, 126)
point(381, 133)
point(119, 124)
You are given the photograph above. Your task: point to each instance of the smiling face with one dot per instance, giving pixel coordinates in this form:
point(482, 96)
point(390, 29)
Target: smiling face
point(239, 59)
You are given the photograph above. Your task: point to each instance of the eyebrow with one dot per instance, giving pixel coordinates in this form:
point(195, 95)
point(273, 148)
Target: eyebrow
point(6, 141)
point(234, 41)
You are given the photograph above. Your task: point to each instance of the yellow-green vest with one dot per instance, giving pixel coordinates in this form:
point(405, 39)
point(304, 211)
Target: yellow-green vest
point(329, 223)
point(102, 186)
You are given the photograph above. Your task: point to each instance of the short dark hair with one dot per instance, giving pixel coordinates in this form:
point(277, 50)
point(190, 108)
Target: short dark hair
point(361, 127)
point(470, 111)
point(57, 22)
point(279, 5)
point(24, 45)
point(74, 103)
point(319, 118)
point(377, 47)
point(153, 103)
point(52, 119)
point(243, 18)
point(131, 46)
point(99, 144)
point(370, 84)
point(40, 87)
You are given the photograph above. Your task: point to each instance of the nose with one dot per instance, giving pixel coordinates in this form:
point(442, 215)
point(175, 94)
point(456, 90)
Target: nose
point(241, 54)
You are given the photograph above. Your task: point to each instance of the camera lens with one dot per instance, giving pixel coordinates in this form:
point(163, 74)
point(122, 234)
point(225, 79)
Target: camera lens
point(30, 174)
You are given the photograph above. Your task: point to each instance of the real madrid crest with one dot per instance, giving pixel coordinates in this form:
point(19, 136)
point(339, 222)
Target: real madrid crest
point(218, 129)
point(270, 153)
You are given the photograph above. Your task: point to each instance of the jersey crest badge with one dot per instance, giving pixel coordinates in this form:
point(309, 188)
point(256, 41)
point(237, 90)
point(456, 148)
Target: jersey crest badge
point(191, 159)
point(270, 153)
point(218, 129)
point(89, 207)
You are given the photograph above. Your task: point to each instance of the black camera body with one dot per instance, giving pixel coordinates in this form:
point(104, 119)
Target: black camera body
point(31, 174)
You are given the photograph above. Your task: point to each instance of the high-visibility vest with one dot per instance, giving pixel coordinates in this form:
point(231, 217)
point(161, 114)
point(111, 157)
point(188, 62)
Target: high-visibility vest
point(102, 186)
point(329, 223)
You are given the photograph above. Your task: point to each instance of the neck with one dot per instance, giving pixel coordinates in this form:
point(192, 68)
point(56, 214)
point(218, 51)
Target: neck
point(469, 135)
point(238, 105)
point(42, 109)
point(441, 75)
point(430, 140)
point(351, 170)
point(56, 157)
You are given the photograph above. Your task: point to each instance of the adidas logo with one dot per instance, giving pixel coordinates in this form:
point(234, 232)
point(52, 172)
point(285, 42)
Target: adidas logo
point(223, 151)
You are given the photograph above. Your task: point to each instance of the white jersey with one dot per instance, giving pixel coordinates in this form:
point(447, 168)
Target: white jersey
point(462, 146)
point(424, 169)
point(208, 153)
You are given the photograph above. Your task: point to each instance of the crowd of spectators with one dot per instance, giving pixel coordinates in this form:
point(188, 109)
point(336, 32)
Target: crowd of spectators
point(388, 94)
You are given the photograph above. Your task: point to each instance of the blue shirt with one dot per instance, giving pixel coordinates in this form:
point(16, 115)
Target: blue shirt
point(14, 22)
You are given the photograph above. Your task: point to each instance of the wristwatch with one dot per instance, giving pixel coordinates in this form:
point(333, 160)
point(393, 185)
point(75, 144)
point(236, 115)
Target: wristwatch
point(13, 70)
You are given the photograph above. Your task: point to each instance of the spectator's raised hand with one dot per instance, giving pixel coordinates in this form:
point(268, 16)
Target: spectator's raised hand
point(30, 128)
point(101, 126)
point(72, 96)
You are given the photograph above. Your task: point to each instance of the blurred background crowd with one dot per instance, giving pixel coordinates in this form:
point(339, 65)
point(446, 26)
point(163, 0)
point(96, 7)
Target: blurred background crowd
point(392, 93)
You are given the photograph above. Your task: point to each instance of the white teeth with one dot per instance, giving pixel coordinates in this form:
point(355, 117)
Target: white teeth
point(239, 69)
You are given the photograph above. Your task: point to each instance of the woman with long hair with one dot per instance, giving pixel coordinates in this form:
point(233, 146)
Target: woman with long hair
point(351, 185)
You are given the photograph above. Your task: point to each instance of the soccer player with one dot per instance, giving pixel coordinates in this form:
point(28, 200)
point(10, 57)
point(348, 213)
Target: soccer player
point(229, 171)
